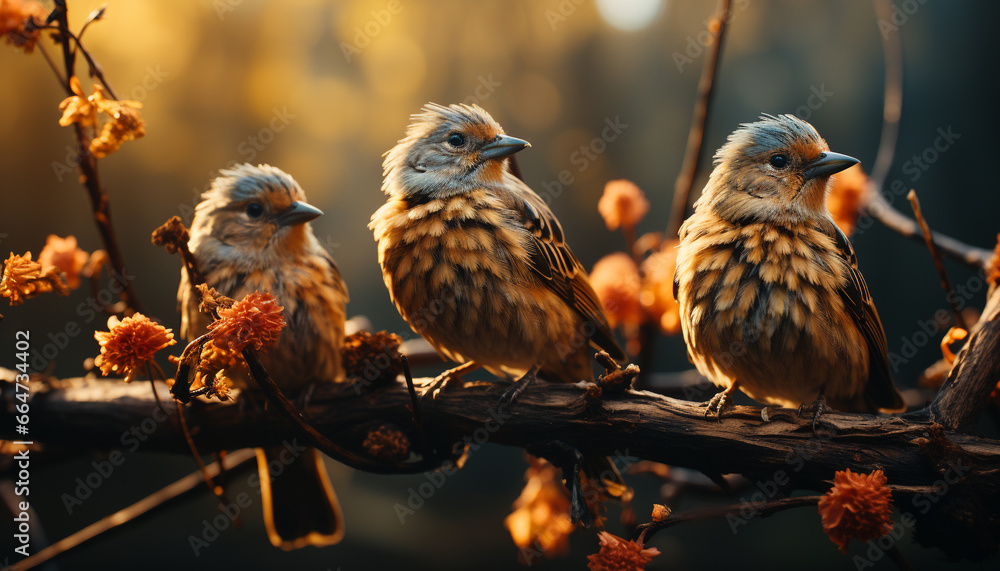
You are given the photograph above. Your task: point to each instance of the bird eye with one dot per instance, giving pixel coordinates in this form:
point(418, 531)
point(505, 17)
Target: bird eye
point(778, 161)
point(456, 139)
point(254, 210)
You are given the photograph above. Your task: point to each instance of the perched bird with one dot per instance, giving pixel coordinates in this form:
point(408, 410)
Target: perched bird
point(251, 233)
point(476, 262)
point(772, 301)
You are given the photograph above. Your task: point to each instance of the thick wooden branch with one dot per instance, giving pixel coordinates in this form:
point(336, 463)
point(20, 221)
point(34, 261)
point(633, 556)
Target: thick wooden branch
point(93, 414)
point(975, 374)
point(79, 415)
point(924, 450)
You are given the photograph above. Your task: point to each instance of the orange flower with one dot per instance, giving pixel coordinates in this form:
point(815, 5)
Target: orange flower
point(63, 254)
point(622, 204)
point(256, 320)
point(617, 554)
point(130, 344)
point(541, 513)
point(615, 278)
point(14, 15)
point(23, 279)
point(657, 294)
point(847, 196)
point(858, 507)
point(660, 512)
point(77, 108)
point(124, 122)
point(216, 357)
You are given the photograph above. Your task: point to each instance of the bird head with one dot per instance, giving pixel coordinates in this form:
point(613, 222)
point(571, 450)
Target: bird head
point(448, 150)
point(777, 169)
point(253, 215)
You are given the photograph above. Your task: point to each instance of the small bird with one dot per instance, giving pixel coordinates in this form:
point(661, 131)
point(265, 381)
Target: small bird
point(772, 301)
point(251, 233)
point(476, 262)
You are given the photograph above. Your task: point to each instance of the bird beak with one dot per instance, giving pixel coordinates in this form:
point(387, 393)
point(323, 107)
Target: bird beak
point(827, 164)
point(297, 213)
point(502, 146)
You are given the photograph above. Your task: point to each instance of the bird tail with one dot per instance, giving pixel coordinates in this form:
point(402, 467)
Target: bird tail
point(300, 506)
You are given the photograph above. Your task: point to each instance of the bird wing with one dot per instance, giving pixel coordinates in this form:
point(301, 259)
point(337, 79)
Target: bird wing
point(879, 389)
point(555, 263)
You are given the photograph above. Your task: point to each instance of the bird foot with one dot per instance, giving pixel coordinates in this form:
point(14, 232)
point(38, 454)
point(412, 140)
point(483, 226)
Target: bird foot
point(718, 404)
point(818, 408)
point(509, 396)
point(441, 381)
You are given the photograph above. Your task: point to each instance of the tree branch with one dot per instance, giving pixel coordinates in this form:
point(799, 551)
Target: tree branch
point(88, 168)
point(974, 375)
point(879, 208)
point(696, 135)
point(75, 416)
point(892, 100)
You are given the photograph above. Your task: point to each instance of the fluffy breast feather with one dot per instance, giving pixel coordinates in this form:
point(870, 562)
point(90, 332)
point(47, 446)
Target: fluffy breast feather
point(760, 305)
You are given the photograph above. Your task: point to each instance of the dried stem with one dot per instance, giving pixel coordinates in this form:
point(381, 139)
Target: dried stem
point(645, 531)
point(942, 272)
point(152, 385)
point(696, 136)
point(52, 64)
point(325, 445)
point(194, 450)
point(876, 204)
point(880, 209)
point(187, 485)
point(95, 68)
point(88, 165)
point(892, 99)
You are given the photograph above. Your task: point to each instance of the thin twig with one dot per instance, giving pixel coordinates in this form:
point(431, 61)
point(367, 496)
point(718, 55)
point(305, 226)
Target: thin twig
point(52, 64)
point(942, 272)
point(892, 103)
point(892, 99)
point(194, 450)
point(185, 431)
point(879, 208)
point(647, 530)
point(88, 169)
point(696, 136)
point(417, 415)
point(152, 385)
point(325, 445)
point(186, 485)
point(95, 68)
point(93, 17)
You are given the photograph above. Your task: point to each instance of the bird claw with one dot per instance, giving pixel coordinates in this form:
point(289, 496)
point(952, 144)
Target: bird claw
point(510, 395)
point(440, 382)
point(718, 404)
point(818, 407)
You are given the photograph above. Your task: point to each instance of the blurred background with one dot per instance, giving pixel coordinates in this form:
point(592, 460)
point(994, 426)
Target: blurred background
point(322, 89)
